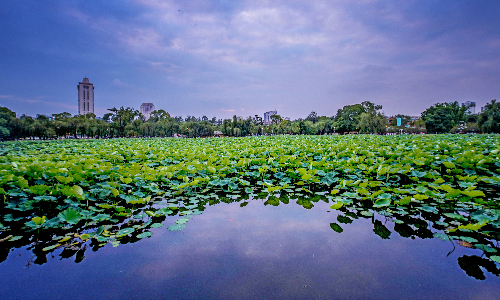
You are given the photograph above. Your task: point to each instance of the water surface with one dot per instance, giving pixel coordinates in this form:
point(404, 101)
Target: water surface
point(254, 252)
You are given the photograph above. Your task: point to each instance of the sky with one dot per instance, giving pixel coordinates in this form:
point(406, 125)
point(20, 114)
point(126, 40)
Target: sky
point(228, 57)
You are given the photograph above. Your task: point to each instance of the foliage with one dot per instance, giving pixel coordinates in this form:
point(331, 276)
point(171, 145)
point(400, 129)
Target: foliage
point(489, 119)
point(349, 118)
point(69, 193)
point(442, 117)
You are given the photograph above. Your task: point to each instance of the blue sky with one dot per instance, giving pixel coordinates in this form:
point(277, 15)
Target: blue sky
point(225, 58)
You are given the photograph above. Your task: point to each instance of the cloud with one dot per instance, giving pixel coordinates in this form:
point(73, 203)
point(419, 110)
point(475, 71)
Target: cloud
point(317, 55)
point(118, 83)
point(29, 100)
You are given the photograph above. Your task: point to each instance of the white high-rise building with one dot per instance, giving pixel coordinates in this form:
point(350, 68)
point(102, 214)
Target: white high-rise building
point(146, 109)
point(267, 116)
point(85, 97)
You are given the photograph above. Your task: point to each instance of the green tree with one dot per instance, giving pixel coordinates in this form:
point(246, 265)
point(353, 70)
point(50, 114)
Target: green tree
point(122, 118)
point(276, 119)
point(158, 115)
point(313, 117)
point(348, 118)
point(489, 119)
point(442, 117)
point(372, 123)
point(7, 121)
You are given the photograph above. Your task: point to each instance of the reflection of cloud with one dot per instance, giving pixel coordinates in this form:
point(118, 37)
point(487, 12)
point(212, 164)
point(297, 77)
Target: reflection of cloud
point(283, 248)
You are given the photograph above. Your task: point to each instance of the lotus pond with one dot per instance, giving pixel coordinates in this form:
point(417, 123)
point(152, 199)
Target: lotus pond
point(259, 217)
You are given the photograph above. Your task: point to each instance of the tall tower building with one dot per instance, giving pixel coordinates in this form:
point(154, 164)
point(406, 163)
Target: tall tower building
point(146, 109)
point(267, 116)
point(85, 97)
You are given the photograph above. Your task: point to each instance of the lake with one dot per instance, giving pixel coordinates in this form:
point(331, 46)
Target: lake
point(253, 250)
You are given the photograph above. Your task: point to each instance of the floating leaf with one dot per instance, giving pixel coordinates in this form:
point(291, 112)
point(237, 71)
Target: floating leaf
point(337, 205)
point(485, 248)
point(182, 221)
point(495, 258)
point(336, 227)
point(442, 236)
point(449, 165)
point(176, 227)
point(48, 248)
point(474, 193)
point(125, 231)
point(70, 215)
point(144, 235)
point(382, 203)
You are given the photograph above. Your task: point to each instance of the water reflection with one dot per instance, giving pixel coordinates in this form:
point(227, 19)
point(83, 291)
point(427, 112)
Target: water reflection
point(262, 249)
point(122, 226)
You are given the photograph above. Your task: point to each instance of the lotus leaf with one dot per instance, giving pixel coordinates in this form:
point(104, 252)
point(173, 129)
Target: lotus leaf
point(70, 215)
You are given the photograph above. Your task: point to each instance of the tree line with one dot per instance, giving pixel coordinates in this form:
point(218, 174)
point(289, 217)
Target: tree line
point(365, 117)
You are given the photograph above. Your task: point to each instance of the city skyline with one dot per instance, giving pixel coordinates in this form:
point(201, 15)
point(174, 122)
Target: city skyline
point(219, 58)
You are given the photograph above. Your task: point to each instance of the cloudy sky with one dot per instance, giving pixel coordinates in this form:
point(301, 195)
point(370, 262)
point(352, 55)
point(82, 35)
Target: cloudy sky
point(227, 57)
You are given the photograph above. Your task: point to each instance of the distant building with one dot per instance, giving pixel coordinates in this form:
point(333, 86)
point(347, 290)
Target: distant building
point(267, 116)
point(415, 118)
point(146, 109)
point(85, 97)
point(471, 106)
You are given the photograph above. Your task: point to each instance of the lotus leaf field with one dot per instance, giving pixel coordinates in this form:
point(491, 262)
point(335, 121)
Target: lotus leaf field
point(70, 194)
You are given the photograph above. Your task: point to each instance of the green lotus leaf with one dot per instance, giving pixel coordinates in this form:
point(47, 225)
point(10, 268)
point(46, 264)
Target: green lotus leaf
point(495, 258)
point(483, 217)
point(366, 213)
point(336, 227)
point(344, 219)
point(125, 231)
point(454, 216)
point(485, 248)
point(144, 235)
point(306, 177)
point(467, 239)
point(48, 248)
point(126, 180)
point(384, 196)
point(70, 216)
point(182, 221)
point(418, 173)
point(453, 194)
point(474, 193)
point(176, 227)
point(442, 236)
point(430, 209)
point(382, 203)
point(420, 197)
point(472, 226)
point(38, 189)
point(337, 205)
point(64, 180)
point(449, 165)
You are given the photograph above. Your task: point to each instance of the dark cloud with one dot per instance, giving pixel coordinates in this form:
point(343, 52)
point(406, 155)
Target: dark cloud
point(212, 57)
